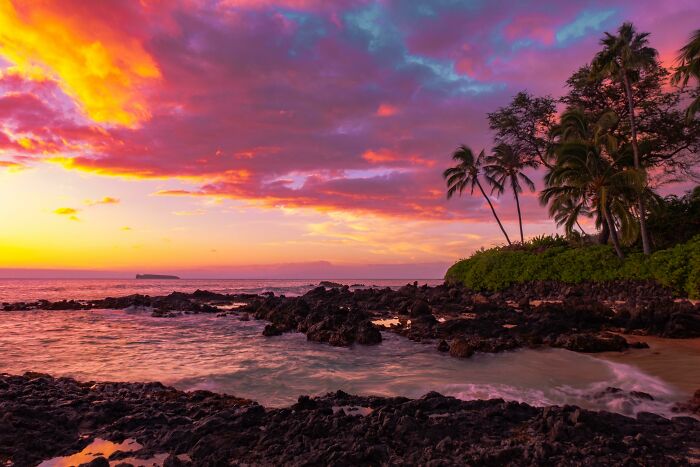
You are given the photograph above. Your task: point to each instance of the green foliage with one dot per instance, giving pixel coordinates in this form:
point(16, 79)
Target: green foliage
point(675, 219)
point(546, 241)
point(554, 259)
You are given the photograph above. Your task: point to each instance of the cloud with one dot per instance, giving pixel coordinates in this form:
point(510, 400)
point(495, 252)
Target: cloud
point(350, 106)
point(585, 23)
point(386, 110)
point(65, 211)
point(88, 51)
point(198, 212)
point(70, 213)
point(105, 200)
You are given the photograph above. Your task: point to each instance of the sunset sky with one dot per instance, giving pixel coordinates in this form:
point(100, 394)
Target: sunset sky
point(160, 136)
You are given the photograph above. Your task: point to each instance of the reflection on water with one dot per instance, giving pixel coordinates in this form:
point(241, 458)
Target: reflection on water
point(386, 322)
point(99, 447)
point(231, 356)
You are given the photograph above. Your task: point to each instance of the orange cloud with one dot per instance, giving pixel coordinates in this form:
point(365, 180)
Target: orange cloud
point(385, 155)
point(105, 200)
point(382, 155)
point(104, 70)
point(11, 166)
point(387, 110)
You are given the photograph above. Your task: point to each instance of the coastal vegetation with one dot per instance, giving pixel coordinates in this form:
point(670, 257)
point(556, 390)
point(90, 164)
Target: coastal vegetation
point(558, 259)
point(625, 129)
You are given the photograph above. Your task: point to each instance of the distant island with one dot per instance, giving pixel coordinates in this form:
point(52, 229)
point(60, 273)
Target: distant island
point(155, 276)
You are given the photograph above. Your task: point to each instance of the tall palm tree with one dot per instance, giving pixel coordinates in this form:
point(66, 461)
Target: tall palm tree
point(623, 58)
point(689, 66)
point(466, 175)
point(582, 173)
point(505, 166)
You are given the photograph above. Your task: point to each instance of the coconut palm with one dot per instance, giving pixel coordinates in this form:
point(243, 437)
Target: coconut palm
point(567, 206)
point(506, 166)
point(466, 175)
point(583, 174)
point(689, 66)
point(623, 58)
point(566, 210)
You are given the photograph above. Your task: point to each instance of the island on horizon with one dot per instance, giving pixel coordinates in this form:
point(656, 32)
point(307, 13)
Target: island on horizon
point(155, 276)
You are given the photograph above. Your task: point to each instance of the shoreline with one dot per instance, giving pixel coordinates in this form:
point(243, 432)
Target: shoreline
point(201, 427)
point(676, 361)
point(587, 318)
point(205, 427)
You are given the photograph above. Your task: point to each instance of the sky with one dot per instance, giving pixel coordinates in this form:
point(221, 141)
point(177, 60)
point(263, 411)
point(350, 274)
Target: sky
point(214, 136)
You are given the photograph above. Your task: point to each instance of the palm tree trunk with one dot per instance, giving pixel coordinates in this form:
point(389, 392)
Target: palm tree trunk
point(493, 211)
point(613, 233)
point(646, 246)
point(581, 228)
point(520, 219)
point(604, 235)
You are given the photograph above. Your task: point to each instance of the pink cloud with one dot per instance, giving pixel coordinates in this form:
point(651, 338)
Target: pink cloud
point(298, 103)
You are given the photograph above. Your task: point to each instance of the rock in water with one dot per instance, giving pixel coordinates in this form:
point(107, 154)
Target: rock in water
point(461, 348)
point(590, 343)
point(368, 334)
point(271, 330)
point(419, 308)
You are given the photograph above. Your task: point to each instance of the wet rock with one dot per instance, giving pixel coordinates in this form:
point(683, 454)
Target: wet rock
point(271, 330)
point(534, 314)
point(480, 299)
point(175, 461)
point(96, 462)
point(591, 343)
point(639, 345)
point(41, 416)
point(368, 334)
point(692, 406)
point(419, 308)
point(443, 346)
point(461, 348)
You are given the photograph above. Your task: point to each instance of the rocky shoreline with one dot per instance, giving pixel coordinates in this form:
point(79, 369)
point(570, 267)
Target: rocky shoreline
point(582, 318)
point(42, 417)
point(45, 417)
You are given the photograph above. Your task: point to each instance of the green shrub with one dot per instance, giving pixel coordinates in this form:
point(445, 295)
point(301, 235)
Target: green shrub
point(497, 268)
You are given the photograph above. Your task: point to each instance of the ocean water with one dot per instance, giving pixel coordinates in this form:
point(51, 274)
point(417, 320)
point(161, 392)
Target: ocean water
point(14, 290)
point(224, 354)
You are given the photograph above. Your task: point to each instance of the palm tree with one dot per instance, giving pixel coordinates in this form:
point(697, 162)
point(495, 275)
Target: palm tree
point(466, 175)
point(582, 173)
point(566, 210)
point(623, 58)
point(505, 166)
point(689, 66)
point(575, 133)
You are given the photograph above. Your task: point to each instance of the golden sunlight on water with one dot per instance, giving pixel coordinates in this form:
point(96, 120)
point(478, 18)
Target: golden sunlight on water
point(99, 447)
